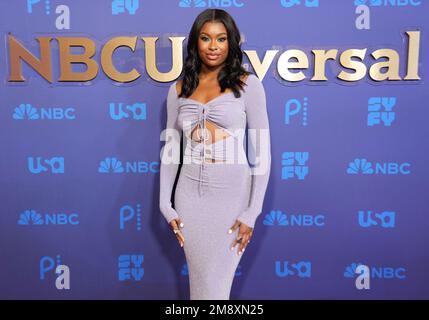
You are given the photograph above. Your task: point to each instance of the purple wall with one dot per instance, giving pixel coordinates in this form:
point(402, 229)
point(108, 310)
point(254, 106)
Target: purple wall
point(326, 209)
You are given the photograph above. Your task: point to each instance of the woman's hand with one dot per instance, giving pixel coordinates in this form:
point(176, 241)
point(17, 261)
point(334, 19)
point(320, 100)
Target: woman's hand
point(175, 224)
point(244, 235)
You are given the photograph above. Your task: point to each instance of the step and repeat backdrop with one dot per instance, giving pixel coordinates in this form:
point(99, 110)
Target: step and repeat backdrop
point(83, 103)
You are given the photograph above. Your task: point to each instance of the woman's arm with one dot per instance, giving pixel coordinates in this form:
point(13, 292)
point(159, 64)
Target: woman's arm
point(170, 156)
point(259, 154)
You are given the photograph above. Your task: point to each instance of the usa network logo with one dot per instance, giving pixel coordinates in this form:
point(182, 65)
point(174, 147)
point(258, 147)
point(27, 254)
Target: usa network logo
point(26, 111)
point(32, 217)
point(380, 111)
point(114, 165)
point(377, 272)
point(210, 3)
point(278, 218)
point(300, 269)
point(384, 219)
point(54, 165)
point(393, 3)
point(136, 111)
point(388, 168)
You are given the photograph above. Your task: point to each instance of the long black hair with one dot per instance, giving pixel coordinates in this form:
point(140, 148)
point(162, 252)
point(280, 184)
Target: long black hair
point(229, 75)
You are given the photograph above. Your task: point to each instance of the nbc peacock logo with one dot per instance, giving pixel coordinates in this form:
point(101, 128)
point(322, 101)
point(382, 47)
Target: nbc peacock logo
point(110, 165)
point(30, 217)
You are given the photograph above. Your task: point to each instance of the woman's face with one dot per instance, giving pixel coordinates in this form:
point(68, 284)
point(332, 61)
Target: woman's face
point(213, 44)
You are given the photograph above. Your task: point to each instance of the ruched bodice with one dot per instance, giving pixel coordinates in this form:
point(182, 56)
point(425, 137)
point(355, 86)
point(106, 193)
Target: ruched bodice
point(227, 114)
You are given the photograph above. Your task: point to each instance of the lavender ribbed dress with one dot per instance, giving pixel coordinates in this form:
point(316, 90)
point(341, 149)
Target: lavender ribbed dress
point(210, 196)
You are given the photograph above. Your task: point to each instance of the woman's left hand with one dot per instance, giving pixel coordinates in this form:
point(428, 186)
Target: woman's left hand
point(244, 234)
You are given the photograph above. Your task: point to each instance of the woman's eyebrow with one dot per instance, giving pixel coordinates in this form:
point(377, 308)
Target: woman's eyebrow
point(209, 35)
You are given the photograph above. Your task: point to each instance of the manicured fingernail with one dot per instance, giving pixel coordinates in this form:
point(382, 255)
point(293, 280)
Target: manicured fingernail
point(229, 231)
point(239, 252)
point(181, 224)
point(232, 248)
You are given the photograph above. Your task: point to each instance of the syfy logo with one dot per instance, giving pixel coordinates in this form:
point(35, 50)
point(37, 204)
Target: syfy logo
point(376, 114)
point(307, 3)
point(276, 217)
point(128, 214)
point(293, 165)
point(294, 107)
point(385, 219)
point(62, 22)
point(301, 269)
point(54, 165)
point(113, 165)
point(386, 3)
point(388, 168)
point(185, 271)
point(47, 264)
point(31, 217)
point(136, 111)
point(119, 6)
point(27, 111)
point(376, 272)
point(210, 3)
point(130, 267)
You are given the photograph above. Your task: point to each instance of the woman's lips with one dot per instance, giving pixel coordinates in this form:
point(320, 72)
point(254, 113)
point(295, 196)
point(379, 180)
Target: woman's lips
point(212, 56)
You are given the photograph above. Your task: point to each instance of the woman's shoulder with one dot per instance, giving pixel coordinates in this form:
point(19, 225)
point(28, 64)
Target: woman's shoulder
point(175, 88)
point(251, 79)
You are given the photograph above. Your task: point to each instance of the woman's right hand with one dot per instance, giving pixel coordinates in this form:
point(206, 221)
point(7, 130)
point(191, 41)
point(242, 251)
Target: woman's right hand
point(176, 224)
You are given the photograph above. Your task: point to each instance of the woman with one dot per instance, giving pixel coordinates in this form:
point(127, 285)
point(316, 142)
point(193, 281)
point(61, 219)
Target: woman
point(218, 195)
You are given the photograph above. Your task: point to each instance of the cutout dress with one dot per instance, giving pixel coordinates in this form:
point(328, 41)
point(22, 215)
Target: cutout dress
point(210, 196)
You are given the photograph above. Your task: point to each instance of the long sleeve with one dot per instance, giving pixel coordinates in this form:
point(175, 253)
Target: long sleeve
point(259, 154)
point(170, 156)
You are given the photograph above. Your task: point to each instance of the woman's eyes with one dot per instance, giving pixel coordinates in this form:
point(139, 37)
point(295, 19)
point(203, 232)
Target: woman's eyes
point(221, 39)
